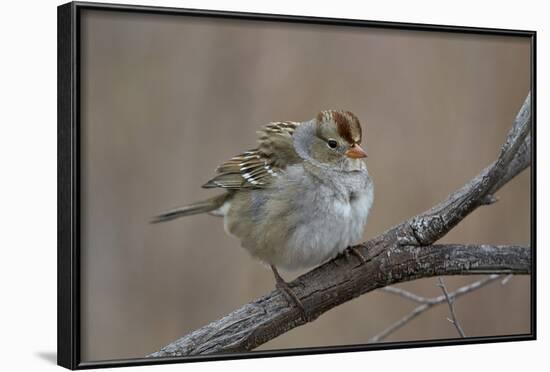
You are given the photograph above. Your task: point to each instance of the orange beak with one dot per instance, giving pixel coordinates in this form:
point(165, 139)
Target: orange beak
point(356, 152)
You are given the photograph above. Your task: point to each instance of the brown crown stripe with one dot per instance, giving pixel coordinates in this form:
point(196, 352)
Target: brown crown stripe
point(348, 126)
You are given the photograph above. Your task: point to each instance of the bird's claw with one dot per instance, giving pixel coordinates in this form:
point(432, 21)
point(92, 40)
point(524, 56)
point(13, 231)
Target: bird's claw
point(291, 297)
point(351, 250)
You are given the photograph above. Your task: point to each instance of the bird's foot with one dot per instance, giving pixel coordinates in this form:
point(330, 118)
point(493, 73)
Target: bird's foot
point(290, 296)
point(352, 250)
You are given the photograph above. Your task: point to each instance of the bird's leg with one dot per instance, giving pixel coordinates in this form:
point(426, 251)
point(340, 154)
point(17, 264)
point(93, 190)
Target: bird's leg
point(354, 251)
point(283, 286)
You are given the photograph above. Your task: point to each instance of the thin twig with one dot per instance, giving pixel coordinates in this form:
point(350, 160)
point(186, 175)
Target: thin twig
point(450, 301)
point(431, 302)
point(506, 279)
point(406, 294)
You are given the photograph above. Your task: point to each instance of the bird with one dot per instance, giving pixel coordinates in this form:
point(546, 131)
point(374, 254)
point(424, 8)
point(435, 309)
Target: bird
point(298, 199)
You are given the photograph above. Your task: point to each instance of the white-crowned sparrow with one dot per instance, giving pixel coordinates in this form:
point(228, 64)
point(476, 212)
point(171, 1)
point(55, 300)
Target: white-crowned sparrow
point(298, 199)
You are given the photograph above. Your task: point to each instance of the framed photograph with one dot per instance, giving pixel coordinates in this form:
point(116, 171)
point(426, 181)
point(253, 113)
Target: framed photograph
point(236, 185)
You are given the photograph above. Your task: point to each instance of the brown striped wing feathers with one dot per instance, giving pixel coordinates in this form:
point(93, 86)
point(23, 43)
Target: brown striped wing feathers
point(257, 168)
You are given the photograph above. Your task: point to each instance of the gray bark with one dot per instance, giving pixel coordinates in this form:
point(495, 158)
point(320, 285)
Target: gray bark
point(403, 253)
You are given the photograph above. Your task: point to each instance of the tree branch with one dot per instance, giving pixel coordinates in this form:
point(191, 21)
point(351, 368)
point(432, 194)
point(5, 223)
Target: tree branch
point(450, 302)
point(403, 253)
point(427, 303)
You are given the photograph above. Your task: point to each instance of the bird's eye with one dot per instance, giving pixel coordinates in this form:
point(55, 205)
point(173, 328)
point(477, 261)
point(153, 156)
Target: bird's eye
point(332, 143)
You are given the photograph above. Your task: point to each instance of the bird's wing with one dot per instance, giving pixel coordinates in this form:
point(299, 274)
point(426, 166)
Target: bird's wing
point(257, 168)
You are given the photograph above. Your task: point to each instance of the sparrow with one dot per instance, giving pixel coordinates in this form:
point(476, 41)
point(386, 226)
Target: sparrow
point(298, 199)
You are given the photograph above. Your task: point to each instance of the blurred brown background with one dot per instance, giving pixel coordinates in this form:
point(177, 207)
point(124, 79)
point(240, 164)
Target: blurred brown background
point(165, 99)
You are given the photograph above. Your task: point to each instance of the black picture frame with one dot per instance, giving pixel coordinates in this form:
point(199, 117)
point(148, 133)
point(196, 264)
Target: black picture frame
point(69, 184)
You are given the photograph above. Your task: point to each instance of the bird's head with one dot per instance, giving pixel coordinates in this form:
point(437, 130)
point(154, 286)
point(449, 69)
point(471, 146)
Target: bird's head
point(333, 137)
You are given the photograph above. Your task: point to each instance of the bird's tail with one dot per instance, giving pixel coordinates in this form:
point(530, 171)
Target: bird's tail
point(205, 206)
